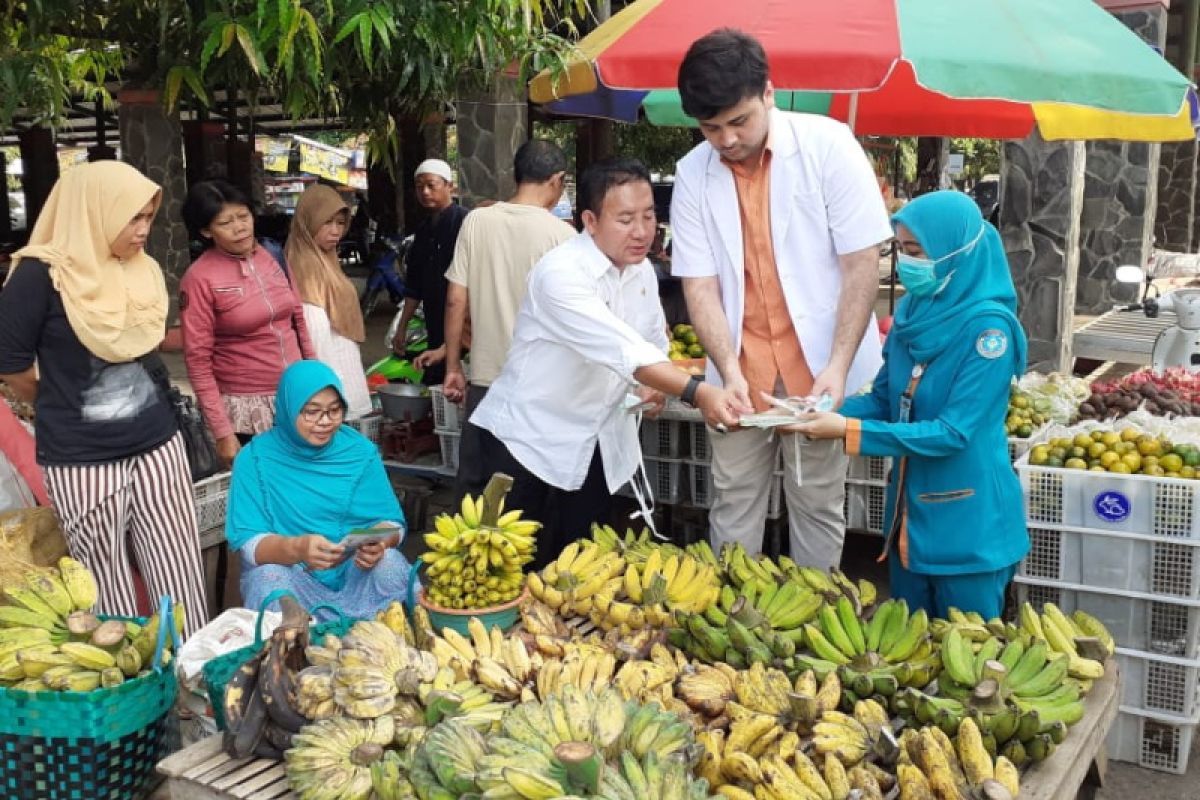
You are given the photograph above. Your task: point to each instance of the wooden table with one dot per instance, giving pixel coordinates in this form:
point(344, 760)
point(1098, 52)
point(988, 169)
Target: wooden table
point(204, 772)
point(1077, 767)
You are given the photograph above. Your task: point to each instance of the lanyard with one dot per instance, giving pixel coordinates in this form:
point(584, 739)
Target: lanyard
point(906, 401)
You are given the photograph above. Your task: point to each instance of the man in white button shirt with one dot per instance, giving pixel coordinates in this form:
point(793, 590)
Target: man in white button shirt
point(590, 333)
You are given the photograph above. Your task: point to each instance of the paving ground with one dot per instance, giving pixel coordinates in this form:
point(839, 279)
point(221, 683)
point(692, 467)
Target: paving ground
point(1124, 781)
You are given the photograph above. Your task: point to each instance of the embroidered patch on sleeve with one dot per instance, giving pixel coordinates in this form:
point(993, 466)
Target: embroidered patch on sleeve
point(992, 343)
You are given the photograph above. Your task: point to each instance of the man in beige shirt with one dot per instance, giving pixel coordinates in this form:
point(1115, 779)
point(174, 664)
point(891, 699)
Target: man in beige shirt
point(496, 249)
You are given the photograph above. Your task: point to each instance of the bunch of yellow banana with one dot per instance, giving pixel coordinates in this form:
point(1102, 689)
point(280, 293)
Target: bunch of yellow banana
point(586, 667)
point(447, 697)
point(757, 758)
point(314, 692)
point(538, 619)
point(741, 568)
point(45, 599)
point(95, 656)
point(678, 581)
point(332, 758)
point(583, 574)
point(707, 689)
point(931, 765)
point(500, 664)
point(1066, 636)
point(471, 564)
point(847, 737)
point(652, 680)
point(373, 667)
point(396, 619)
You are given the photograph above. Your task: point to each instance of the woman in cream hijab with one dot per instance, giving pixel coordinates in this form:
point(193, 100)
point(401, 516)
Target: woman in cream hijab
point(331, 311)
point(81, 318)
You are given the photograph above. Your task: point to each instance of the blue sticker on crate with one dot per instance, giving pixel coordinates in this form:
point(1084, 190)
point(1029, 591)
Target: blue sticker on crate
point(1112, 506)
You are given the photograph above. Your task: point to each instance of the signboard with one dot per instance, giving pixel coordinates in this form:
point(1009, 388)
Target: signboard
point(955, 165)
point(276, 154)
point(328, 164)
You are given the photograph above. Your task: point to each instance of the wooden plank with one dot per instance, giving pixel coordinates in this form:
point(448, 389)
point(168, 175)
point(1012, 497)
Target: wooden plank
point(261, 781)
point(238, 777)
point(176, 764)
point(276, 791)
point(1061, 776)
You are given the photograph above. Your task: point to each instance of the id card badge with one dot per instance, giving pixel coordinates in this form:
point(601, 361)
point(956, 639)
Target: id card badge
point(907, 398)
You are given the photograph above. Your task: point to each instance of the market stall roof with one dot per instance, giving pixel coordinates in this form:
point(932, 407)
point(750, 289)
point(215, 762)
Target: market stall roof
point(897, 67)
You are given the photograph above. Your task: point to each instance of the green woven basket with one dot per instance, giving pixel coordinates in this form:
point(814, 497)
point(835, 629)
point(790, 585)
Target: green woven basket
point(98, 745)
point(219, 670)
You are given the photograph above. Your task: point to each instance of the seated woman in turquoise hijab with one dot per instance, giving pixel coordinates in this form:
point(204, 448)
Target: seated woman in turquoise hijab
point(299, 488)
point(955, 519)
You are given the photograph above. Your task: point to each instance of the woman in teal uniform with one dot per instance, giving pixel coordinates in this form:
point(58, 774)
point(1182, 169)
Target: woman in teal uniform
point(955, 520)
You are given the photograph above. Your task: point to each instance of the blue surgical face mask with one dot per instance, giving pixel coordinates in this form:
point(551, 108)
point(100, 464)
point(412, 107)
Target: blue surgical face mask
point(919, 275)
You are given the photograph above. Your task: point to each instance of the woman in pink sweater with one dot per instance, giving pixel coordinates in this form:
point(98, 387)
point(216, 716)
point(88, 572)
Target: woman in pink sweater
point(243, 322)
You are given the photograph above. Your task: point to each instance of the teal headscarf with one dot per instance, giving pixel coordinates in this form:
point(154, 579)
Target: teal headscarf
point(284, 485)
point(980, 283)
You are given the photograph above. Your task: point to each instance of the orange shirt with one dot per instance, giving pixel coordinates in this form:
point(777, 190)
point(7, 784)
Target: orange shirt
point(770, 347)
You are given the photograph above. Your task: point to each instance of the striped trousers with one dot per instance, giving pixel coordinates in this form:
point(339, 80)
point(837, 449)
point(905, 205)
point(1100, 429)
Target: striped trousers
point(144, 500)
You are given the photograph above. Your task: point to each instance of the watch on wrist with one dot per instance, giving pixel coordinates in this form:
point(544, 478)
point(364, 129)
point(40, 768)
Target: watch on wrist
point(688, 396)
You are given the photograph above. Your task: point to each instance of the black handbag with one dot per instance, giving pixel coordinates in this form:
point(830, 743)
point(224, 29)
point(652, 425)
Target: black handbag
point(201, 450)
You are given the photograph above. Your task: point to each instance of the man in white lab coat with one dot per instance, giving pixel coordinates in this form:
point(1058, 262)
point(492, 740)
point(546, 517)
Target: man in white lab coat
point(589, 342)
point(776, 221)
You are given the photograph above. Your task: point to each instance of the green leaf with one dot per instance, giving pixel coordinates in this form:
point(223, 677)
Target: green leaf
point(364, 38)
point(210, 48)
point(227, 36)
point(250, 48)
point(196, 85)
point(350, 27)
point(173, 84)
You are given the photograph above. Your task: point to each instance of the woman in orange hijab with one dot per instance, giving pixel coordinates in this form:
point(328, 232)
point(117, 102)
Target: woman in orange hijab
point(331, 311)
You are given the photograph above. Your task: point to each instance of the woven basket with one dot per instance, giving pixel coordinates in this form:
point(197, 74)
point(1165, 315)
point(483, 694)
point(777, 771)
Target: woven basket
point(219, 670)
point(98, 745)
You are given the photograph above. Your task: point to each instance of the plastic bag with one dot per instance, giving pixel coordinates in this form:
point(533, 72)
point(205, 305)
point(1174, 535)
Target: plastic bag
point(14, 492)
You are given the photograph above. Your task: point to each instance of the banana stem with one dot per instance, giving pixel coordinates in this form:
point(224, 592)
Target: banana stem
point(499, 485)
point(1091, 647)
point(996, 671)
point(583, 765)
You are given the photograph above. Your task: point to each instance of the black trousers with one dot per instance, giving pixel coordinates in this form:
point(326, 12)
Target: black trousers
point(565, 515)
point(471, 477)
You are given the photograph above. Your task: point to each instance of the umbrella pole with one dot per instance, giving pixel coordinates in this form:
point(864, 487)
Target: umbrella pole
point(853, 116)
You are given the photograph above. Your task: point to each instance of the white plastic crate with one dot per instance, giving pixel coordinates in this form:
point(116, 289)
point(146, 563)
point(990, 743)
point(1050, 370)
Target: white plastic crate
point(211, 498)
point(663, 438)
point(1142, 504)
point(667, 478)
point(866, 505)
point(701, 451)
point(446, 415)
point(1154, 741)
point(449, 441)
point(369, 425)
point(1141, 623)
point(1157, 683)
point(703, 491)
point(869, 468)
point(1114, 560)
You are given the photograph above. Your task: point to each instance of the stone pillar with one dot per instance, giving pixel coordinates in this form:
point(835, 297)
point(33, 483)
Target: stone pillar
point(39, 170)
point(1120, 196)
point(1174, 221)
point(152, 141)
point(492, 124)
point(1040, 207)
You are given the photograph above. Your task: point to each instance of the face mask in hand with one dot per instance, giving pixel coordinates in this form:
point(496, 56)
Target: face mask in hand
point(919, 275)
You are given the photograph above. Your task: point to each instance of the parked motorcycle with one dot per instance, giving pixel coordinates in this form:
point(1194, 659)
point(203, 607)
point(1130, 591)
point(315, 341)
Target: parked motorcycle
point(1178, 345)
point(385, 274)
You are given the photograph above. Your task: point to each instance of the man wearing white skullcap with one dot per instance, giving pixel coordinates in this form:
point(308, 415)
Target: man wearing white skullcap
point(426, 264)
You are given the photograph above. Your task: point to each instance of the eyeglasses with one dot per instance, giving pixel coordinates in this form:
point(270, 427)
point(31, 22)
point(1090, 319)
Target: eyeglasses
point(333, 413)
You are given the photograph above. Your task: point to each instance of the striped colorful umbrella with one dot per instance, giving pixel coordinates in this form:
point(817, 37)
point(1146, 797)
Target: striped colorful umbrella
point(983, 68)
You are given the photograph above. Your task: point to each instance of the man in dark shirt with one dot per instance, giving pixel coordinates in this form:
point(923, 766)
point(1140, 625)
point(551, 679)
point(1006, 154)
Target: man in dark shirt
point(428, 259)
